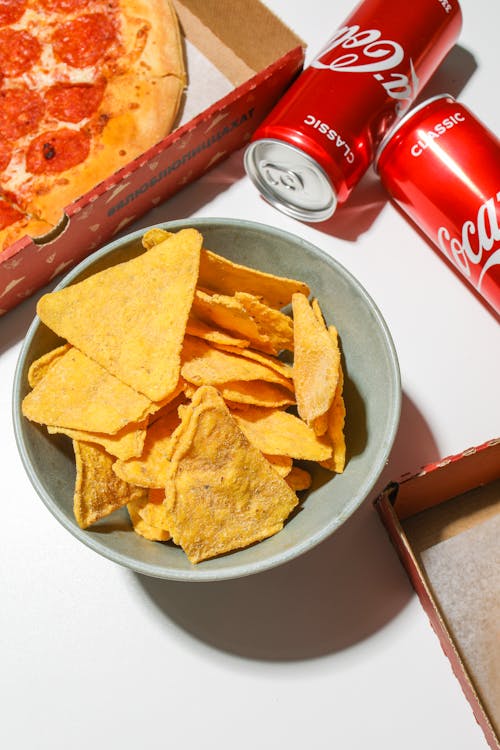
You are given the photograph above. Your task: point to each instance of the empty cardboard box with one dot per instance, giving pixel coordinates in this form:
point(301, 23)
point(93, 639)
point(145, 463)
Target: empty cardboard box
point(445, 525)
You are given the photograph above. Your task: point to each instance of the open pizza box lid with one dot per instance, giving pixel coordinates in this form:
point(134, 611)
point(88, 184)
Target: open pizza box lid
point(445, 525)
point(236, 73)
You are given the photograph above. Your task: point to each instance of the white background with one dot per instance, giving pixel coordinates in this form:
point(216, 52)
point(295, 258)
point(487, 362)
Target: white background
point(330, 651)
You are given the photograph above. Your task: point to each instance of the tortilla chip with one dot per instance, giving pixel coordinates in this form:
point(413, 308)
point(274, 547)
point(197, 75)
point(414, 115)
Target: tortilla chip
point(228, 313)
point(299, 479)
point(141, 526)
point(203, 364)
point(143, 306)
point(221, 493)
point(79, 394)
point(279, 432)
point(335, 429)
point(126, 443)
point(226, 277)
point(150, 469)
point(40, 367)
point(265, 359)
point(154, 237)
point(202, 330)
point(316, 363)
point(153, 512)
point(272, 323)
point(253, 393)
point(281, 464)
point(98, 491)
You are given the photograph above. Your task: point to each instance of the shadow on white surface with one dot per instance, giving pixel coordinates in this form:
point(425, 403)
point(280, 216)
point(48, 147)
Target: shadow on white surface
point(333, 597)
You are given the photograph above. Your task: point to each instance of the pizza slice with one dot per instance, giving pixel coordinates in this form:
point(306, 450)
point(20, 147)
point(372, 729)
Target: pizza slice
point(86, 87)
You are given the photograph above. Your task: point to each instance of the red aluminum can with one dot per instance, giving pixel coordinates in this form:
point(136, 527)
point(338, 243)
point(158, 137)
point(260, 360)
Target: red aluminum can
point(323, 134)
point(441, 165)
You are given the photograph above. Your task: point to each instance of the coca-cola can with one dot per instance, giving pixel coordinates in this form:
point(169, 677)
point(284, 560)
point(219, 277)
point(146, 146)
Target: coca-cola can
point(309, 153)
point(441, 166)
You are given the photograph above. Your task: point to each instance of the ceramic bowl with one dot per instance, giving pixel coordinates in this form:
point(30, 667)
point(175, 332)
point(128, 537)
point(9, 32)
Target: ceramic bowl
point(372, 396)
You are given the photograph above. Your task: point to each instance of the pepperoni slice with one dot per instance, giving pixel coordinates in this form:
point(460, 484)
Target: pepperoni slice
point(19, 51)
point(8, 214)
point(84, 40)
point(11, 11)
point(57, 150)
point(21, 110)
point(74, 102)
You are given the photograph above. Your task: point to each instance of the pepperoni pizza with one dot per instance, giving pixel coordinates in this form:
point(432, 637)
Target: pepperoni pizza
point(85, 86)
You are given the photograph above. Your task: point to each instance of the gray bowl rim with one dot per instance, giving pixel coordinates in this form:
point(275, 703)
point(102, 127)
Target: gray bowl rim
point(236, 570)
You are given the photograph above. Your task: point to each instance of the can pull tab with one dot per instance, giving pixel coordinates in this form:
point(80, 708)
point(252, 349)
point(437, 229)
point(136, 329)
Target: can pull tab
point(281, 177)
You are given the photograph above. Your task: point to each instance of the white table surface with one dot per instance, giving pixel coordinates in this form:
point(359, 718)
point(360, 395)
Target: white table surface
point(332, 650)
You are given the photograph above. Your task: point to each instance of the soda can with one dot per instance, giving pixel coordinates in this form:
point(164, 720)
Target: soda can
point(441, 166)
point(315, 145)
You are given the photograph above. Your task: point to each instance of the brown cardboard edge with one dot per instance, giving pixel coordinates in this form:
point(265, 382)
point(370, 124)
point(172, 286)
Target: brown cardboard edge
point(387, 506)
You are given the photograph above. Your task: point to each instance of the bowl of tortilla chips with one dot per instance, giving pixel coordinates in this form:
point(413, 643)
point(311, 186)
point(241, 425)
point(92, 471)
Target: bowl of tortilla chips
point(206, 399)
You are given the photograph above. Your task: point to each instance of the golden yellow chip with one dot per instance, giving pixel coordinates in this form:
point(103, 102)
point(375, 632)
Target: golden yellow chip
point(226, 277)
point(223, 276)
point(154, 236)
point(98, 491)
point(335, 427)
point(299, 479)
point(265, 359)
point(143, 307)
point(316, 363)
point(142, 527)
point(150, 469)
point(79, 394)
point(253, 393)
point(272, 323)
point(154, 512)
point(203, 364)
point(39, 368)
point(281, 464)
point(221, 493)
point(124, 444)
point(229, 314)
point(280, 432)
point(202, 330)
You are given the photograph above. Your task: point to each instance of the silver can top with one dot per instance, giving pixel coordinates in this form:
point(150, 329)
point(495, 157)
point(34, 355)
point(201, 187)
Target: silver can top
point(290, 180)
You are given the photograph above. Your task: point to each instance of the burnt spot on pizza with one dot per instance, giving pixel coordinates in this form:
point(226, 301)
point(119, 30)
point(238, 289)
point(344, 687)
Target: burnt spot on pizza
point(48, 151)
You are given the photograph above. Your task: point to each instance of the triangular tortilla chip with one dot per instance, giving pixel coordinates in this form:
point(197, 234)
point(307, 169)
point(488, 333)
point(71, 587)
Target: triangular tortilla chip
point(124, 444)
point(131, 318)
point(221, 493)
point(273, 324)
point(40, 367)
point(222, 275)
point(203, 364)
point(279, 432)
point(316, 363)
point(98, 491)
point(149, 470)
point(79, 394)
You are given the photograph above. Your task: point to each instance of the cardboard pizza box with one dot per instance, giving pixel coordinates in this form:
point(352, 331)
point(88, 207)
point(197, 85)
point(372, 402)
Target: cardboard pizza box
point(445, 525)
point(235, 76)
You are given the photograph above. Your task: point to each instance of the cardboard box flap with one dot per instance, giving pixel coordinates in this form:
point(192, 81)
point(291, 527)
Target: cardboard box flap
point(248, 37)
point(451, 476)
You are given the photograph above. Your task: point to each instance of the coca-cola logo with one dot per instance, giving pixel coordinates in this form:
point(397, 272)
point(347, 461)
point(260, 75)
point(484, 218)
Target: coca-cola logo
point(478, 236)
point(369, 53)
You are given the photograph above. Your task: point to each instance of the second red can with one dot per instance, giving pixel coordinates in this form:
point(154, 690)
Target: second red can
point(321, 137)
point(441, 165)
